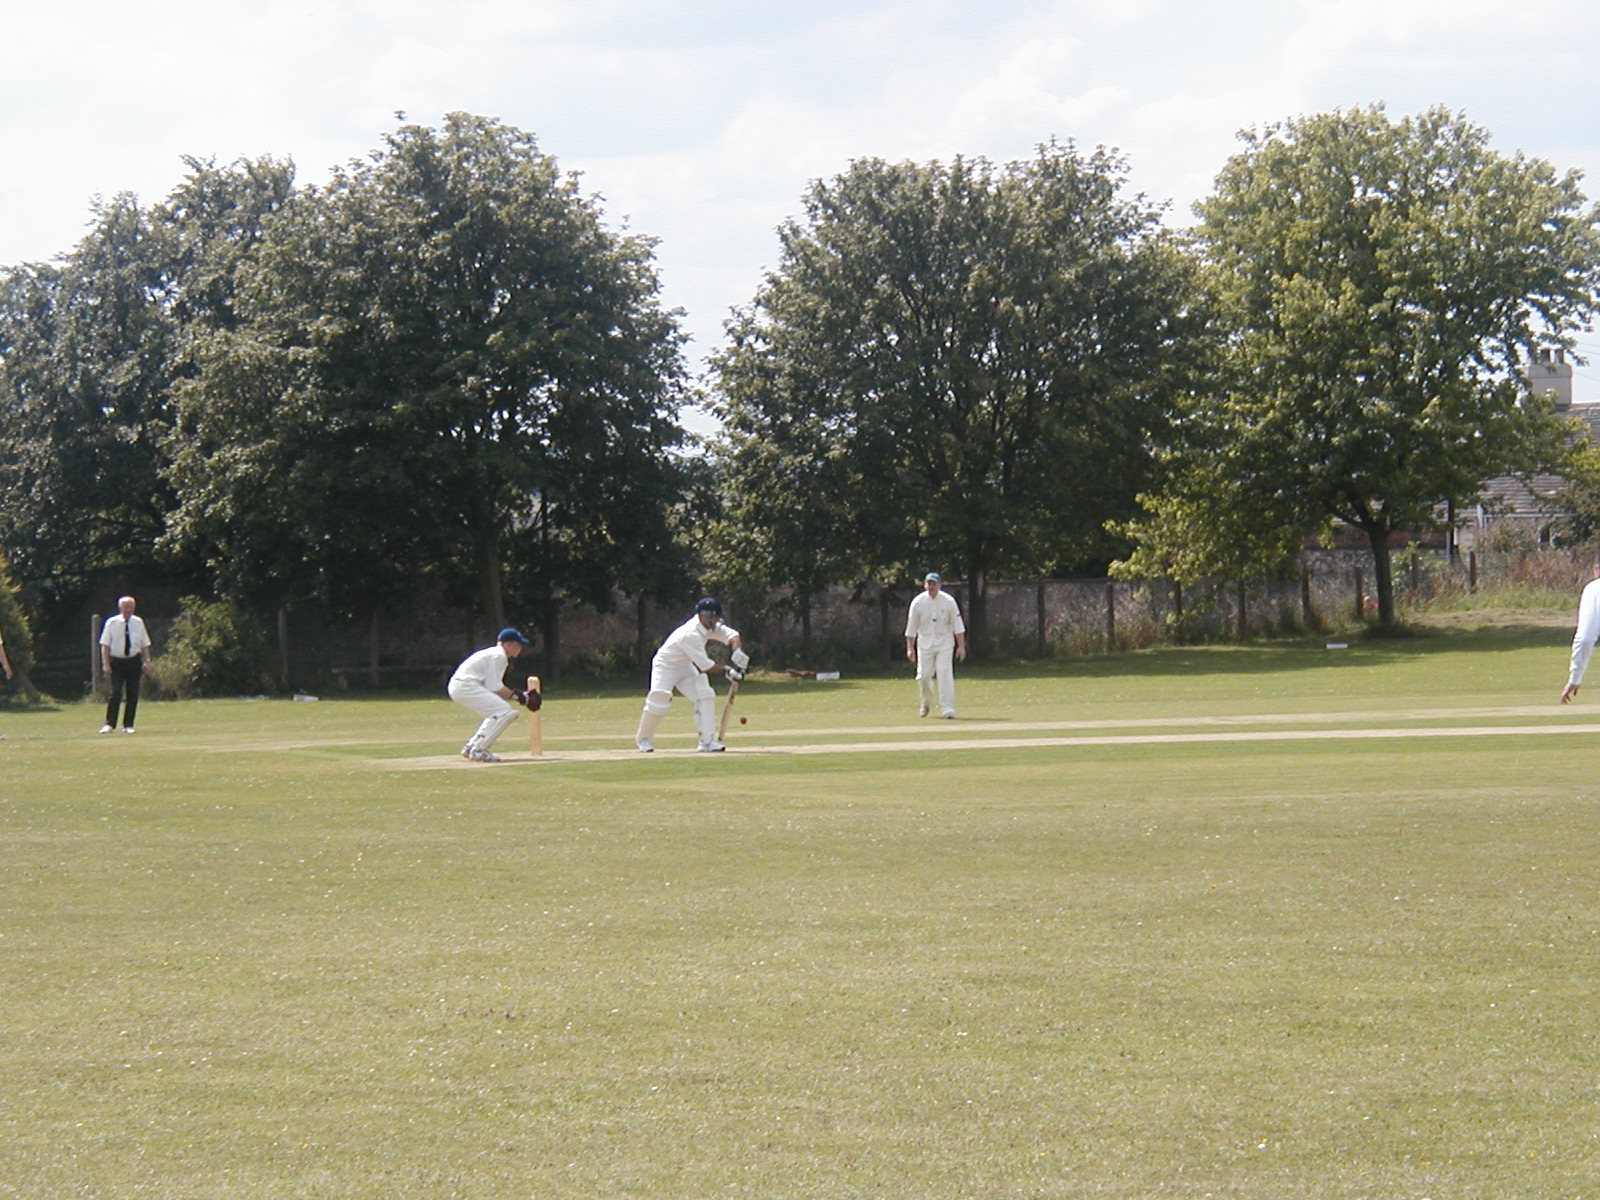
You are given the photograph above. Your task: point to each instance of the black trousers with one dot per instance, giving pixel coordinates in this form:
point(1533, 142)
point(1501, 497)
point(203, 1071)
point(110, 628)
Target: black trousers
point(126, 675)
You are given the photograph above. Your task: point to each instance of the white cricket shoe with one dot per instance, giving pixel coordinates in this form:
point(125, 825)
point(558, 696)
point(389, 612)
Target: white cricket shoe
point(484, 756)
point(128, 729)
point(949, 716)
point(922, 710)
point(105, 729)
point(646, 746)
point(711, 747)
point(466, 751)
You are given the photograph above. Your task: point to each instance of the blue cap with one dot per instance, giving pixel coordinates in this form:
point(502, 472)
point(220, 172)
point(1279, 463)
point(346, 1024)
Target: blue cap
point(932, 577)
point(509, 634)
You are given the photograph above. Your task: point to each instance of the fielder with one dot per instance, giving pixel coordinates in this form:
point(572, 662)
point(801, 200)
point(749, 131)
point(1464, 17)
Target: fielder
point(935, 632)
point(1583, 639)
point(479, 684)
point(682, 663)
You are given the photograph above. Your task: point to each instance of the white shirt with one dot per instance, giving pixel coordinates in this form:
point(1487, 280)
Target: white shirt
point(486, 668)
point(113, 638)
point(686, 645)
point(934, 620)
point(1588, 630)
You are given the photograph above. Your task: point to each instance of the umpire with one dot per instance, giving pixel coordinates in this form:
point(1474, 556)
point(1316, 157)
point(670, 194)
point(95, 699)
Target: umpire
point(125, 656)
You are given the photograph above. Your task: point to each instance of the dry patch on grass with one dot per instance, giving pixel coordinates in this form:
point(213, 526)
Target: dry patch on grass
point(1474, 620)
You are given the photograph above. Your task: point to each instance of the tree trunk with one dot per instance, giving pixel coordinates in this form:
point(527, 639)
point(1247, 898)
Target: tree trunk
point(977, 613)
point(494, 601)
point(805, 628)
point(25, 686)
point(1382, 575)
point(549, 637)
point(641, 634)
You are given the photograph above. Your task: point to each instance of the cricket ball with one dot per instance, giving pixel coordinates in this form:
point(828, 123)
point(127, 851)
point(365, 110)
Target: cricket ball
point(744, 720)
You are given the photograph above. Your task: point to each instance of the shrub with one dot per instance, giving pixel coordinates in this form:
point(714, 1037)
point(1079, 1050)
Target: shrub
point(214, 649)
point(15, 630)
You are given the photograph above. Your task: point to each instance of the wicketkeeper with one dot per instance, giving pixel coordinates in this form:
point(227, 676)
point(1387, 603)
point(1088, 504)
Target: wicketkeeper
point(479, 683)
point(682, 663)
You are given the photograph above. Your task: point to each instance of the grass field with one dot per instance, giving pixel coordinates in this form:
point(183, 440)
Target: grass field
point(1261, 922)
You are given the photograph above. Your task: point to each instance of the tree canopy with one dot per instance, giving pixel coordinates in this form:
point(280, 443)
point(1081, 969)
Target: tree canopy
point(1379, 284)
point(955, 365)
point(90, 348)
point(85, 355)
point(443, 370)
point(442, 361)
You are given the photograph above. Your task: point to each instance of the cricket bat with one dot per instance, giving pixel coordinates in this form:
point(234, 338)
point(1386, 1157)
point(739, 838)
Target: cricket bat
point(727, 710)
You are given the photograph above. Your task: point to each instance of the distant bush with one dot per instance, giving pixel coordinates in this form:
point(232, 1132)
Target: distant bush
point(611, 665)
point(15, 630)
point(214, 649)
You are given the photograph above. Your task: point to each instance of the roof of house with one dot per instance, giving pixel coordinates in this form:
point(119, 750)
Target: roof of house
point(1512, 496)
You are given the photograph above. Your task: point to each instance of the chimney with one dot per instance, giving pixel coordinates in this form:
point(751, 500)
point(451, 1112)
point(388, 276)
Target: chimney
point(1549, 371)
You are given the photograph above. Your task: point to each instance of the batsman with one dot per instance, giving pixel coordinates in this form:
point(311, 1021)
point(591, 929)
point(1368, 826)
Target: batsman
point(682, 663)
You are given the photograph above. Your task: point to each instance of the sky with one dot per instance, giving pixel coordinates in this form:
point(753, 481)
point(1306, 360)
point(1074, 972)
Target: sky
point(700, 123)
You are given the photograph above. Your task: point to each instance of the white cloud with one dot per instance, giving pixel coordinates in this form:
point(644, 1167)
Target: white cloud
point(704, 120)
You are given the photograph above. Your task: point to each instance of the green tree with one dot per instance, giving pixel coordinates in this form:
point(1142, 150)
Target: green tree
point(783, 490)
point(84, 356)
point(955, 365)
point(210, 225)
point(444, 362)
point(1380, 283)
point(16, 632)
point(89, 350)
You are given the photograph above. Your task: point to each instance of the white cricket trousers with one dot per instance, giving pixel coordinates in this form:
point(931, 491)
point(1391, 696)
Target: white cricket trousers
point(936, 679)
point(496, 713)
point(694, 684)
